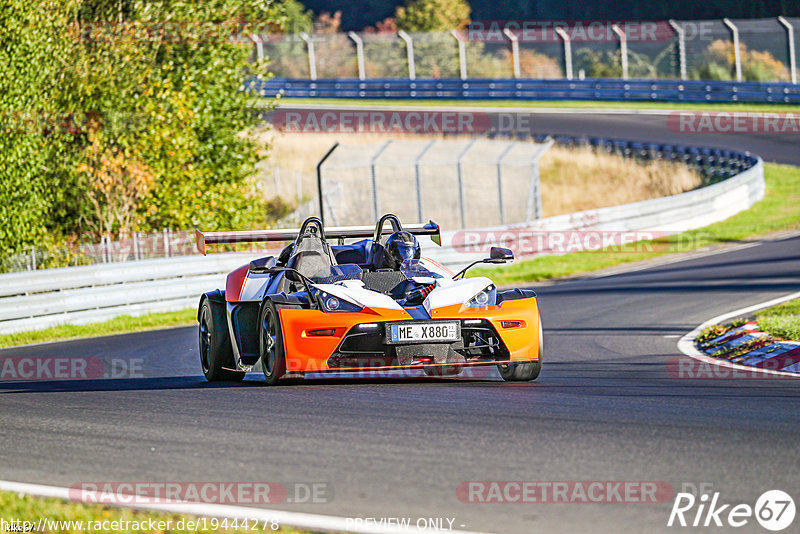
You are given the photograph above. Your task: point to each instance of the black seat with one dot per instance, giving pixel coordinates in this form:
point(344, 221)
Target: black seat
point(312, 257)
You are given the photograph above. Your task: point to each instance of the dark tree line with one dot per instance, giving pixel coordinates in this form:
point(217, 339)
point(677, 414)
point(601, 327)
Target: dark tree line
point(357, 14)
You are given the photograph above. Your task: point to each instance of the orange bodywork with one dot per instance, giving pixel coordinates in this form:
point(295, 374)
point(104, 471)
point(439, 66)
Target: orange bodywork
point(310, 353)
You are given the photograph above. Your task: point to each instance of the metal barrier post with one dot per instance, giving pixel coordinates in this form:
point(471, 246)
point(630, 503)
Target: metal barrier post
point(514, 51)
point(418, 179)
point(319, 180)
point(461, 183)
point(375, 203)
point(790, 38)
point(137, 250)
point(681, 47)
point(312, 62)
point(359, 53)
point(259, 46)
point(462, 54)
point(412, 75)
point(567, 51)
point(623, 49)
point(499, 164)
point(737, 55)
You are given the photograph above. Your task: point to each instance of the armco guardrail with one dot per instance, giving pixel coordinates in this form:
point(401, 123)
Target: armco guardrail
point(659, 216)
point(76, 295)
point(639, 90)
point(40, 299)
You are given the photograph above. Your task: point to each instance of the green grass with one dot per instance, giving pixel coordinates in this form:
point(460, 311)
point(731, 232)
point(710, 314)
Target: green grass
point(782, 321)
point(572, 104)
point(14, 506)
point(118, 325)
point(777, 211)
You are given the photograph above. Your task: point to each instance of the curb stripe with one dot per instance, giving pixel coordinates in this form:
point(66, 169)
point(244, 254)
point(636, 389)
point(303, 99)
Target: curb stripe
point(686, 343)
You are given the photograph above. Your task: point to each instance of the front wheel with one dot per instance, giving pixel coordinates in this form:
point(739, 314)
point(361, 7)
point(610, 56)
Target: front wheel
point(273, 355)
point(523, 371)
point(216, 354)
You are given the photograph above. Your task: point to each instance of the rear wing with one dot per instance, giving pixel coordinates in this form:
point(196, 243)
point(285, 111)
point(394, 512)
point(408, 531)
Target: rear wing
point(340, 233)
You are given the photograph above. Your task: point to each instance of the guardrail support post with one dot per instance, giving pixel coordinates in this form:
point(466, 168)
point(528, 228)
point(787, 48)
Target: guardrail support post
point(737, 54)
point(462, 54)
point(167, 251)
point(623, 49)
point(418, 178)
point(137, 249)
point(319, 180)
point(106, 246)
point(359, 53)
point(412, 75)
point(514, 51)
point(259, 46)
point(681, 47)
point(790, 38)
point(567, 51)
point(312, 62)
point(374, 177)
point(460, 170)
point(33, 258)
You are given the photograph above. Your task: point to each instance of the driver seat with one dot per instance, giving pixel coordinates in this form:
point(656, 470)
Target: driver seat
point(312, 257)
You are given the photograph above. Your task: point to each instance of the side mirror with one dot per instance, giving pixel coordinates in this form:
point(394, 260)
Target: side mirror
point(499, 255)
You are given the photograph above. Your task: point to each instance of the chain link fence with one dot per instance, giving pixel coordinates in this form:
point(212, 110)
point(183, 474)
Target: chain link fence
point(458, 184)
point(700, 49)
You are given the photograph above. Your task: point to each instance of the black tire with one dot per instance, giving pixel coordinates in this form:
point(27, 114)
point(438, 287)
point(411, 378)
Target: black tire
point(215, 344)
point(523, 371)
point(271, 347)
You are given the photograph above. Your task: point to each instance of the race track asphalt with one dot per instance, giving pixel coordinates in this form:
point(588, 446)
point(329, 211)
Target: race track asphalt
point(605, 408)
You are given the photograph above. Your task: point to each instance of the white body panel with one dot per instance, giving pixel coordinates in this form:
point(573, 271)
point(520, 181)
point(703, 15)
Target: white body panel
point(455, 292)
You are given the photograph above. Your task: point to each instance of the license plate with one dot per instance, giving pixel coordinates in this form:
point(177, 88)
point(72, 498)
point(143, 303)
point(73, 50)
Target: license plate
point(424, 332)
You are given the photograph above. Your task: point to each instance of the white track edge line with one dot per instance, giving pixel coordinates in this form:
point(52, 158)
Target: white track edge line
point(321, 522)
point(686, 343)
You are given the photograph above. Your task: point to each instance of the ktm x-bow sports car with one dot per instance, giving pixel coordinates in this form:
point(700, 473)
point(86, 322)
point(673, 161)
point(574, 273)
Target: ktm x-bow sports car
point(371, 305)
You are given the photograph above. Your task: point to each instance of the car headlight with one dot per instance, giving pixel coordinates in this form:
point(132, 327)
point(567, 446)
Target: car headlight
point(331, 303)
point(485, 297)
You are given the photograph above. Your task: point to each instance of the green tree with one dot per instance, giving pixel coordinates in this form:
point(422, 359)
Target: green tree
point(432, 15)
point(95, 94)
point(36, 131)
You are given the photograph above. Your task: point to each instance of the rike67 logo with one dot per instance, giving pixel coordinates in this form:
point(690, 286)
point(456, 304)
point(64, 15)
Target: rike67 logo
point(774, 510)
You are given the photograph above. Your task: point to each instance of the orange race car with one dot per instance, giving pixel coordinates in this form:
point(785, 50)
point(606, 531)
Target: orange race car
point(371, 305)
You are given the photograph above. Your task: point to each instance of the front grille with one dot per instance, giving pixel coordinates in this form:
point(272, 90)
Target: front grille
point(365, 345)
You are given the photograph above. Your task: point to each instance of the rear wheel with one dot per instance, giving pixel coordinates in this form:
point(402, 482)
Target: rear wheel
point(216, 353)
point(523, 371)
point(273, 355)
